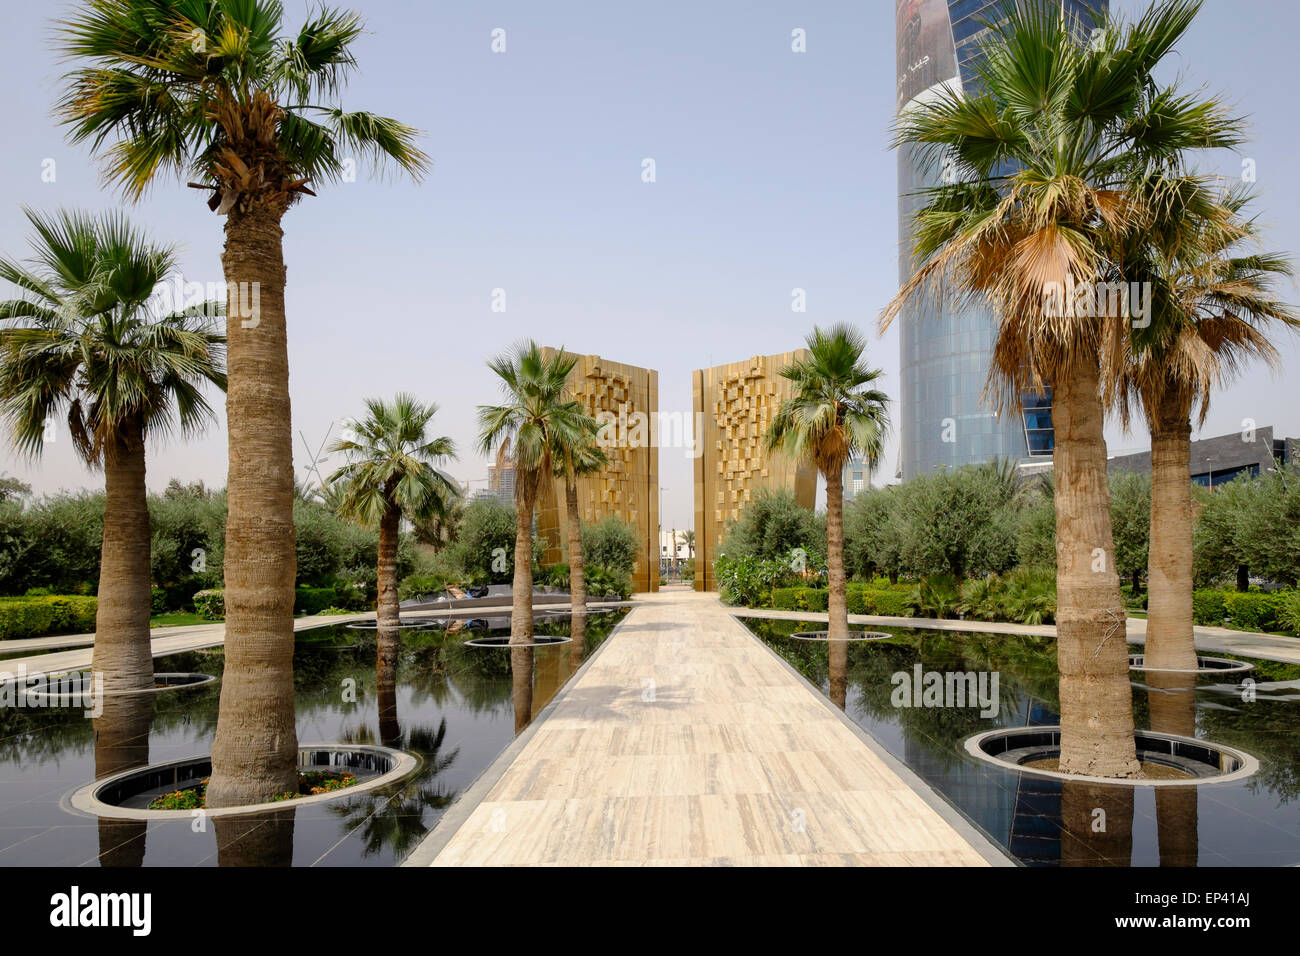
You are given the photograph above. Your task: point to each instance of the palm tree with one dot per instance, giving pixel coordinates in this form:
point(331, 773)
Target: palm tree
point(687, 538)
point(834, 414)
point(536, 418)
point(1046, 158)
point(392, 473)
point(84, 341)
point(573, 460)
point(212, 89)
point(1212, 301)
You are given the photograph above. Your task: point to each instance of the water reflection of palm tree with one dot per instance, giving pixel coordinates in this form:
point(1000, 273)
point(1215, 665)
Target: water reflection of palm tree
point(1171, 701)
point(255, 839)
point(1096, 824)
point(838, 653)
point(521, 686)
point(122, 743)
point(399, 822)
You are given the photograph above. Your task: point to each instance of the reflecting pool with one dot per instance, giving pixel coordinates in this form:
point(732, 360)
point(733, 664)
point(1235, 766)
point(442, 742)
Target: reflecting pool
point(1044, 822)
point(454, 707)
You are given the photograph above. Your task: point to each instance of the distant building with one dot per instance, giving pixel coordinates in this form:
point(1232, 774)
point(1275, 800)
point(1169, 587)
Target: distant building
point(857, 478)
point(501, 476)
point(672, 550)
point(1217, 461)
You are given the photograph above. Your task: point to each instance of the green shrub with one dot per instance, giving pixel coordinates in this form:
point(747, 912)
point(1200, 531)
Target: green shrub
point(1254, 611)
point(211, 603)
point(416, 585)
point(936, 596)
point(158, 601)
point(313, 600)
point(891, 604)
point(1209, 607)
point(786, 599)
point(41, 615)
point(602, 582)
point(814, 599)
point(1288, 616)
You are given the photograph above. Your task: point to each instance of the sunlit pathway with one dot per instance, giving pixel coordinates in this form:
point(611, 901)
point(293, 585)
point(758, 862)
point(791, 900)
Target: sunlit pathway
point(686, 741)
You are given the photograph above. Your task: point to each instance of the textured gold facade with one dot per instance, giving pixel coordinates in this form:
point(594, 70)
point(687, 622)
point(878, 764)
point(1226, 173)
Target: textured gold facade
point(734, 405)
point(628, 487)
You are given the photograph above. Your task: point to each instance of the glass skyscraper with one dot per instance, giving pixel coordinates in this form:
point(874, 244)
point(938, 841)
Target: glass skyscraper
point(946, 348)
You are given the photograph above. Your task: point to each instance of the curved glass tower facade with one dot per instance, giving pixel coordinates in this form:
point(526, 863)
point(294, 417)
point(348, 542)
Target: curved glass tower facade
point(946, 349)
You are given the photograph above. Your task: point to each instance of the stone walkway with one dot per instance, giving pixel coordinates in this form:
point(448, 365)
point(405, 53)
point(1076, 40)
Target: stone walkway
point(684, 740)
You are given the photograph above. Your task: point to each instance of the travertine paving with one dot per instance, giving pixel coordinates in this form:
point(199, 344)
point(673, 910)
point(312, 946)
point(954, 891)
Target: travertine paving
point(687, 742)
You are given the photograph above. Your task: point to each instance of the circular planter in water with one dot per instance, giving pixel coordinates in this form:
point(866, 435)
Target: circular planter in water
point(853, 636)
point(63, 694)
point(127, 795)
point(537, 641)
point(1204, 665)
point(1187, 761)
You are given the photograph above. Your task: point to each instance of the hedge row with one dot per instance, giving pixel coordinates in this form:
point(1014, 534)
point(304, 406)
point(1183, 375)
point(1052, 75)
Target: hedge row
point(1245, 610)
point(862, 599)
point(212, 602)
point(37, 616)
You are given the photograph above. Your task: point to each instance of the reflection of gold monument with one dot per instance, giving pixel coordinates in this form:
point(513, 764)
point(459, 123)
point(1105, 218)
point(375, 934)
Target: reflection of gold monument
point(628, 487)
point(734, 405)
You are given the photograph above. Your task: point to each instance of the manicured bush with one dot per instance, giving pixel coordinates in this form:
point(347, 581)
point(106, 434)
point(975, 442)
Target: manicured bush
point(891, 604)
point(1208, 606)
point(211, 603)
point(158, 601)
point(41, 615)
point(814, 599)
point(786, 599)
point(1254, 611)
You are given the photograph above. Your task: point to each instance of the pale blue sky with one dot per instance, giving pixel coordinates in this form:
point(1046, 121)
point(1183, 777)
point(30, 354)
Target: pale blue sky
point(773, 171)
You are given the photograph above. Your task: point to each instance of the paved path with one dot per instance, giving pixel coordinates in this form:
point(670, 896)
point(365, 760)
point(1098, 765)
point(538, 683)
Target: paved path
point(1271, 647)
point(684, 740)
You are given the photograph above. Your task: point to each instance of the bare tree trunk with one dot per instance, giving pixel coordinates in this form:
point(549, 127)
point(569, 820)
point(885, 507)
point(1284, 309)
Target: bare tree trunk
point(122, 651)
point(1092, 651)
point(521, 613)
point(838, 601)
point(388, 609)
point(255, 750)
point(1171, 641)
point(577, 576)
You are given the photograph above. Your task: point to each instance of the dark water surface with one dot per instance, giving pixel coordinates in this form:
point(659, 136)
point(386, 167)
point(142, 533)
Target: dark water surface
point(454, 707)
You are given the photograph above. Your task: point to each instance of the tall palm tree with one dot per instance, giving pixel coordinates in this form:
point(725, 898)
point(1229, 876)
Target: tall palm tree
point(212, 89)
point(1046, 154)
point(392, 473)
point(1213, 301)
point(84, 340)
point(536, 418)
point(572, 460)
point(835, 414)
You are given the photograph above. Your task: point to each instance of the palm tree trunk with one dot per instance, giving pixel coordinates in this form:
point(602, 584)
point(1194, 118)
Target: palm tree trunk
point(122, 651)
point(1092, 651)
point(521, 613)
point(255, 750)
point(388, 608)
point(577, 578)
point(1171, 641)
point(837, 599)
